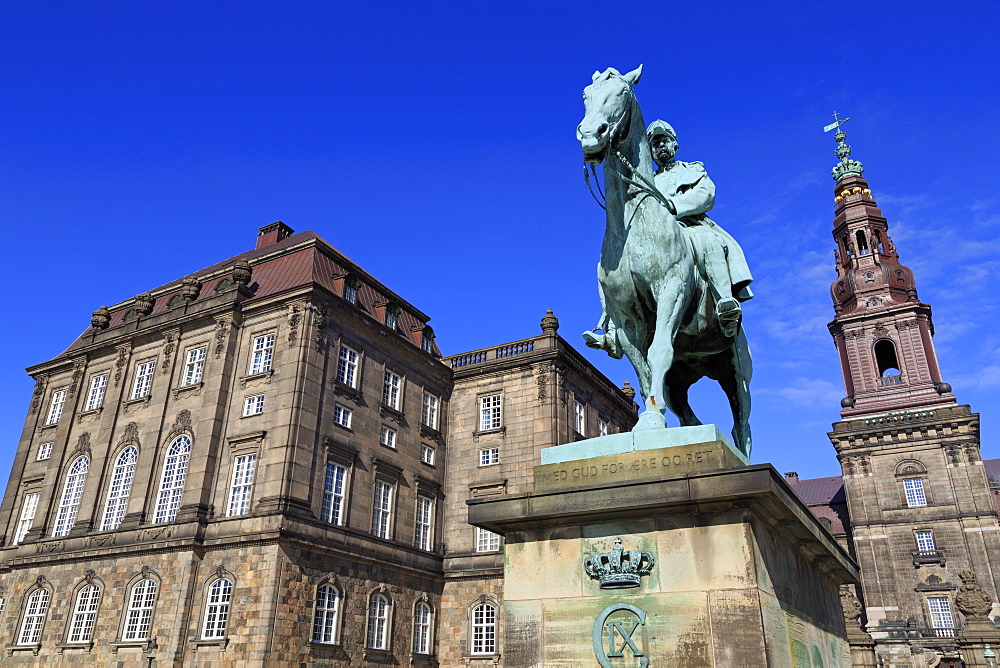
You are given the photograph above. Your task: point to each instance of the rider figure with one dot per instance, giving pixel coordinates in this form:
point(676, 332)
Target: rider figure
point(690, 193)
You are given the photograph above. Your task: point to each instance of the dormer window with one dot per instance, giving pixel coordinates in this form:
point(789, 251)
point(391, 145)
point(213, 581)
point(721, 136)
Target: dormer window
point(391, 316)
point(427, 340)
point(351, 285)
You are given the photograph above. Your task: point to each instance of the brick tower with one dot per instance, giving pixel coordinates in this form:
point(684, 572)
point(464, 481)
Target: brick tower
point(917, 494)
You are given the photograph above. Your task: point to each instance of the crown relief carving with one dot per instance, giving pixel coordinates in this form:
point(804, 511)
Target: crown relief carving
point(619, 569)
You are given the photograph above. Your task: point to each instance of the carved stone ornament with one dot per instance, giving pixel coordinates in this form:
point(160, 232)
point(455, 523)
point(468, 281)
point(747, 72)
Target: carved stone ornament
point(628, 391)
point(36, 397)
point(319, 325)
point(294, 320)
point(190, 288)
point(971, 600)
point(619, 569)
point(169, 346)
point(78, 366)
point(83, 444)
point(121, 362)
point(242, 272)
point(131, 434)
point(183, 424)
point(144, 303)
point(101, 318)
point(89, 575)
point(542, 380)
point(223, 325)
point(850, 604)
point(550, 323)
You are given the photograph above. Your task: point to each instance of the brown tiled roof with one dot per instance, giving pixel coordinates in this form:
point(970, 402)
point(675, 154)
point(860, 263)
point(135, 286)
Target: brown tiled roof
point(820, 490)
point(275, 272)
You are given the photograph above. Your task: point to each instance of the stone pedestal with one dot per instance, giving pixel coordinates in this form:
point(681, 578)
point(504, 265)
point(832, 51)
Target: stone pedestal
point(737, 571)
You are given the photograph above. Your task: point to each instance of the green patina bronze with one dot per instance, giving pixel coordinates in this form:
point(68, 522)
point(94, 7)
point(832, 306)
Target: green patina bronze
point(671, 280)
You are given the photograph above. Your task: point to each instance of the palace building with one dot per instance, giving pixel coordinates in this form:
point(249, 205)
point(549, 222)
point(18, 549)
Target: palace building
point(267, 461)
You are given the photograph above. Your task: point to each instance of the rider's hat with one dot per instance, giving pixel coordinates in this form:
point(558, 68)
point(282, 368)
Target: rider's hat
point(659, 127)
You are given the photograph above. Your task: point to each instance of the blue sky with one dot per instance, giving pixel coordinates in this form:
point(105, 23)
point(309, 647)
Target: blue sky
point(433, 143)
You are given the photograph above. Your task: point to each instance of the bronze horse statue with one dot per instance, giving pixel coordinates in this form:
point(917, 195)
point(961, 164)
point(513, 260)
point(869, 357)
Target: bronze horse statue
point(656, 299)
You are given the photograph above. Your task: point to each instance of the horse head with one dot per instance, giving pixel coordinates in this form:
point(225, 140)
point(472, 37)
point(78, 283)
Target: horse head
point(608, 104)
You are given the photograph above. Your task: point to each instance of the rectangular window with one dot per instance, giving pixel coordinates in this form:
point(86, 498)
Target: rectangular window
point(253, 405)
point(194, 365)
point(263, 353)
point(44, 451)
point(342, 416)
point(241, 485)
point(350, 293)
point(333, 494)
point(914, 489)
point(425, 514)
point(487, 541)
point(382, 509)
point(602, 428)
point(489, 456)
point(579, 418)
point(427, 454)
point(390, 390)
point(941, 617)
point(143, 379)
point(430, 412)
point(489, 412)
point(95, 396)
point(388, 437)
point(347, 367)
point(925, 541)
point(56, 407)
point(28, 507)
point(391, 317)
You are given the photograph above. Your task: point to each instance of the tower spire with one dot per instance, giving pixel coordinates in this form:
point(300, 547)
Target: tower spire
point(881, 329)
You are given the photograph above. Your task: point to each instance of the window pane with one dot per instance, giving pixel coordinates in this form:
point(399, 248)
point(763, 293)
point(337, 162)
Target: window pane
point(333, 494)
point(81, 627)
point(325, 620)
point(69, 503)
point(489, 412)
point(56, 407)
point(95, 396)
point(347, 367)
point(34, 618)
point(172, 483)
point(263, 351)
point(422, 629)
point(119, 489)
point(194, 366)
point(484, 629)
point(241, 485)
point(139, 613)
point(424, 516)
point(28, 507)
point(914, 489)
point(382, 509)
point(217, 609)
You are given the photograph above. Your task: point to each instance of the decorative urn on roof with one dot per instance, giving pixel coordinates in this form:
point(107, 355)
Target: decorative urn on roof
point(101, 319)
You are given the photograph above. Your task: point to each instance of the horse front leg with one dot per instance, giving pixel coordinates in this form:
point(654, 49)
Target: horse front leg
point(660, 358)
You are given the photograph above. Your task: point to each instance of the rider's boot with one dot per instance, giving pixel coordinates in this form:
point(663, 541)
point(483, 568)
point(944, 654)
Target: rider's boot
point(607, 342)
point(728, 312)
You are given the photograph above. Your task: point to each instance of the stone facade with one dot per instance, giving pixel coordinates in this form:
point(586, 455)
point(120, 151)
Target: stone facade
point(248, 467)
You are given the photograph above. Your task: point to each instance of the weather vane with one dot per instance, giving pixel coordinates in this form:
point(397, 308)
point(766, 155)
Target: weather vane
point(836, 122)
point(846, 166)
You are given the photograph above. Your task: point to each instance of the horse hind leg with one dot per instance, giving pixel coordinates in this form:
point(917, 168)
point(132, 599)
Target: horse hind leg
point(679, 380)
point(735, 382)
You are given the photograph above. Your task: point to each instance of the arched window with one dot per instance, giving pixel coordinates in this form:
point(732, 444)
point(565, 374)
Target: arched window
point(378, 622)
point(119, 488)
point(172, 483)
point(325, 619)
point(422, 615)
point(34, 617)
point(139, 613)
point(220, 594)
point(862, 242)
point(885, 357)
point(69, 503)
point(484, 629)
point(877, 241)
point(81, 625)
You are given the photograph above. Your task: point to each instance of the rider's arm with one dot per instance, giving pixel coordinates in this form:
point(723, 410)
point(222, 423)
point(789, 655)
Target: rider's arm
point(696, 193)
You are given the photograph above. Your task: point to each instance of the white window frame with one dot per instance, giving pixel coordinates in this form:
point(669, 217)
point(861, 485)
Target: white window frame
point(427, 454)
point(218, 600)
point(484, 629)
point(913, 488)
point(392, 389)
point(579, 418)
point(423, 519)
point(925, 540)
point(347, 366)
point(241, 484)
point(350, 293)
point(326, 614)
point(382, 500)
point(940, 610)
point(491, 412)
point(487, 541)
point(142, 385)
point(172, 478)
point(489, 456)
point(602, 427)
point(81, 625)
point(139, 611)
point(335, 493)
point(33, 620)
point(391, 319)
point(379, 612)
point(423, 623)
point(29, 506)
point(56, 405)
point(253, 405)
point(44, 451)
point(342, 416)
point(95, 395)
point(194, 365)
point(69, 501)
point(261, 353)
point(387, 437)
point(119, 488)
point(429, 414)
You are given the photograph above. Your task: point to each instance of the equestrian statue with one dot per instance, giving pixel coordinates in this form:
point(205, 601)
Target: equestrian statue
point(671, 280)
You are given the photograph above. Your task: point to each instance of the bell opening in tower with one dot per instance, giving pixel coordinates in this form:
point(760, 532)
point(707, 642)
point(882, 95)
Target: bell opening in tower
point(888, 363)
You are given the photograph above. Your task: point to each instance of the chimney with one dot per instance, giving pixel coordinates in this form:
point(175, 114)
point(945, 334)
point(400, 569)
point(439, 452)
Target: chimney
point(792, 476)
point(273, 233)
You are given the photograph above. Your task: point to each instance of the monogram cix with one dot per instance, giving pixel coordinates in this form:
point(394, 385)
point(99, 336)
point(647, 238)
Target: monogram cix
point(619, 568)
